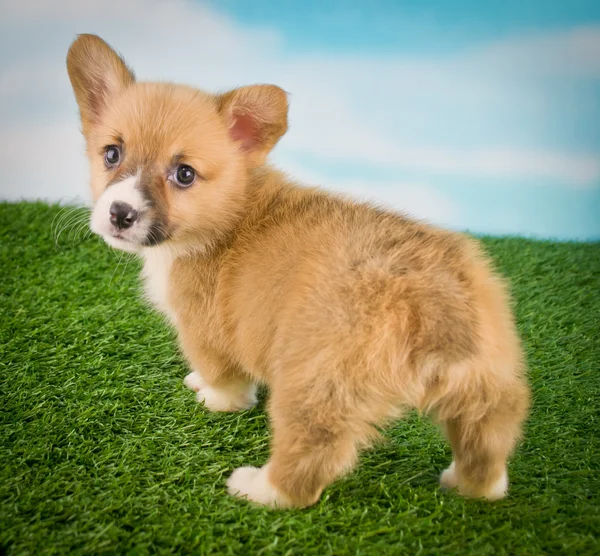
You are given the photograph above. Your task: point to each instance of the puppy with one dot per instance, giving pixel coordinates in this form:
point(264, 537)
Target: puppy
point(349, 313)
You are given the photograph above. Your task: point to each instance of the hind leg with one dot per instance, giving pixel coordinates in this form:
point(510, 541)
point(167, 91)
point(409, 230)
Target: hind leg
point(300, 468)
point(316, 439)
point(295, 476)
point(481, 448)
point(479, 465)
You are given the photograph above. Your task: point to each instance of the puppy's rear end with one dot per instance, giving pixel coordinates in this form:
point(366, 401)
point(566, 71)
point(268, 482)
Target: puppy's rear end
point(378, 314)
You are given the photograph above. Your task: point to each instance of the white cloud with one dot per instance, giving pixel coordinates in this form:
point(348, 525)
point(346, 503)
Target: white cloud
point(420, 200)
point(568, 53)
point(356, 144)
point(369, 110)
point(48, 164)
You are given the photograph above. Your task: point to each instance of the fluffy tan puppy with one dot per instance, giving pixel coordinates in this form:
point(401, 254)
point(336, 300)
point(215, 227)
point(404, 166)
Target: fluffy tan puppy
point(349, 313)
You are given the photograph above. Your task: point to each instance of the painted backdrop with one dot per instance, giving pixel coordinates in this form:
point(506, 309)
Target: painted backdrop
point(482, 116)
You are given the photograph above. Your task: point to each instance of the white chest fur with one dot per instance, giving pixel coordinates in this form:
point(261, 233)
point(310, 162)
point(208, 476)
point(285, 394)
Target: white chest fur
point(156, 273)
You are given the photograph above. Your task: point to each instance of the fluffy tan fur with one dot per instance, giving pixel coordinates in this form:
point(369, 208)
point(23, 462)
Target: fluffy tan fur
point(349, 313)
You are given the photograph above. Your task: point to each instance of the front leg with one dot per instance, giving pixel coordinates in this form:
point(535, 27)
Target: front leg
point(194, 381)
point(218, 384)
point(231, 396)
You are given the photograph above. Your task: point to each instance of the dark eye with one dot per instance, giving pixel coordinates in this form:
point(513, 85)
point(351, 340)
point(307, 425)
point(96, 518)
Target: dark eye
point(112, 155)
point(185, 175)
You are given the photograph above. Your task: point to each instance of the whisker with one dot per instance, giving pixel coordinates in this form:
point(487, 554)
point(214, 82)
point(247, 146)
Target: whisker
point(75, 226)
point(64, 214)
point(115, 270)
point(82, 228)
point(64, 226)
point(129, 257)
point(69, 218)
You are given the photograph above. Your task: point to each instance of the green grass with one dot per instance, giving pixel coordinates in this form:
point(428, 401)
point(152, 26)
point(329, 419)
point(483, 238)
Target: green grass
point(103, 450)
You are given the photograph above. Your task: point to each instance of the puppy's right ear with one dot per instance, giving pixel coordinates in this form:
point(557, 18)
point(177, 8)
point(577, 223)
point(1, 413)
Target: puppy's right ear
point(97, 73)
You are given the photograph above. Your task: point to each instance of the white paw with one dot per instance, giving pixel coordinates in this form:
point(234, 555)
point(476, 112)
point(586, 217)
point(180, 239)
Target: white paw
point(499, 489)
point(253, 484)
point(194, 381)
point(233, 397)
point(448, 477)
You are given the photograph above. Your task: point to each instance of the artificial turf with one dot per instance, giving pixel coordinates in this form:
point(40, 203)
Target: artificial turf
point(103, 450)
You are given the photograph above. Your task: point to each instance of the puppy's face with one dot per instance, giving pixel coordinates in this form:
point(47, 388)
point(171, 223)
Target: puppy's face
point(168, 163)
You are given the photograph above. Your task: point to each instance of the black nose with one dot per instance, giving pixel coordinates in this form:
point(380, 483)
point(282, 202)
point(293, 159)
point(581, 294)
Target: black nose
point(122, 215)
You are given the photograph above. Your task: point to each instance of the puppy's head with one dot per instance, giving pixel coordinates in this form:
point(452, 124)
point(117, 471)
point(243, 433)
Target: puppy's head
point(168, 163)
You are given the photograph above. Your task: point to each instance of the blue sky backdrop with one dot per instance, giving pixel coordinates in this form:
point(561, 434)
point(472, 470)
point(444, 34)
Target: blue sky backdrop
point(481, 116)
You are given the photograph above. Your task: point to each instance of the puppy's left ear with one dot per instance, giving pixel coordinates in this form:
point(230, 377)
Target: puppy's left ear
point(97, 74)
point(256, 117)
